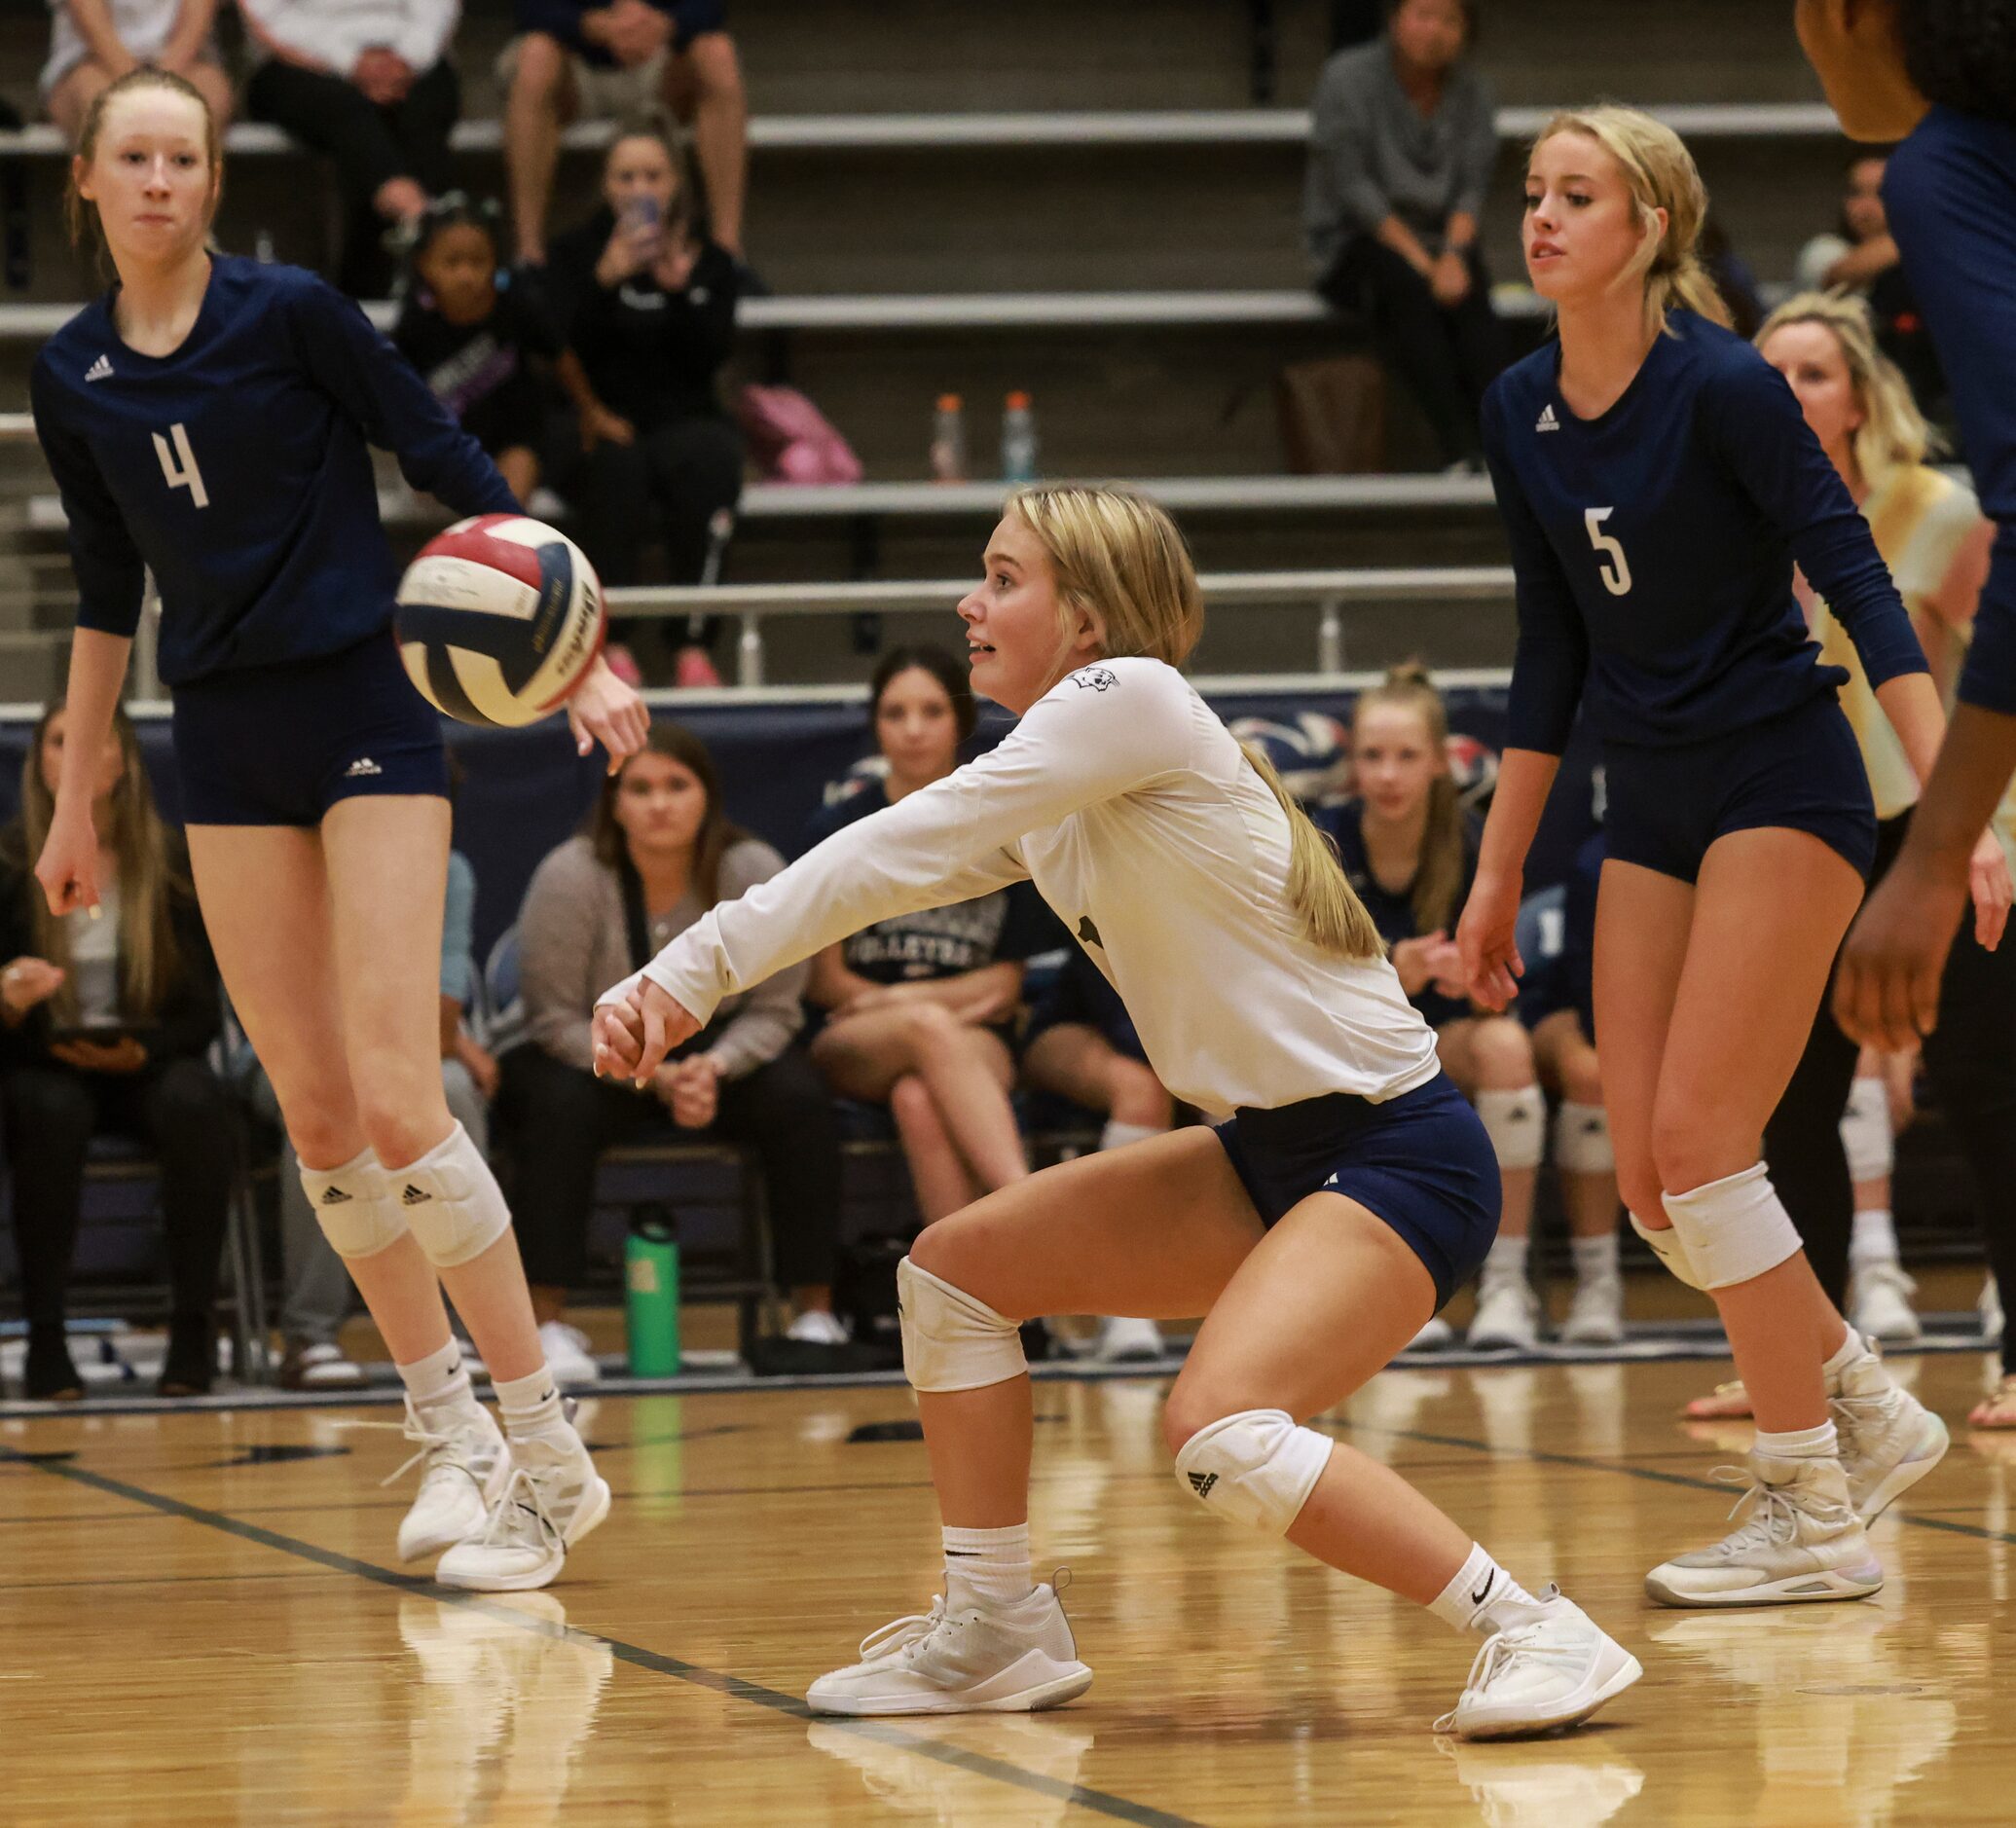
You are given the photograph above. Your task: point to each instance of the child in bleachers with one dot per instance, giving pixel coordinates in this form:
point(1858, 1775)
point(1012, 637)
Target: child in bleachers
point(1411, 853)
point(104, 1024)
point(921, 1008)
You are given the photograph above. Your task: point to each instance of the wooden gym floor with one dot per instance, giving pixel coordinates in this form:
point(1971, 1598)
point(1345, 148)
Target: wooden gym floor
point(202, 1623)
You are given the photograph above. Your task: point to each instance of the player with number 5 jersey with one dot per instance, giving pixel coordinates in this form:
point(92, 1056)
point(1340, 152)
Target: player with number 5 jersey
point(1658, 482)
point(209, 420)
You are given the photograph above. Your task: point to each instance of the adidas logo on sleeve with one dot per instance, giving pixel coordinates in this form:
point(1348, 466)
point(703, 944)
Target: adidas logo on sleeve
point(99, 370)
point(1546, 421)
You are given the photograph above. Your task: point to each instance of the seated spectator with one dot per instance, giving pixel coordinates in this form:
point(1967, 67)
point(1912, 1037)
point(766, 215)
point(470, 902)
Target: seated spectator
point(1080, 1046)
point(317, 1293)
point(921, 1008)
point(1411, 853)
point(1565, 1051)
point(1402, 145)
point(92, 43)
point(648, 304)
point(1860, 255)
point(579, 61)
point(481, 343)
point(104, 1024)
point(658, 852)
point(367, 83)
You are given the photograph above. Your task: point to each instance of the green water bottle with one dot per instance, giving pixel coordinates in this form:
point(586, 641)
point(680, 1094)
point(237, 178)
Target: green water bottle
point(651, 1285)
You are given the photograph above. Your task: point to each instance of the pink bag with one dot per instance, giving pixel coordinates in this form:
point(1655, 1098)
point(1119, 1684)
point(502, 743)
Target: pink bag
point(792, 439)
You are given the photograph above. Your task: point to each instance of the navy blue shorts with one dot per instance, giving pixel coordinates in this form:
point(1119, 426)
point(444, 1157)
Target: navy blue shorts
point(279, 746)
point(1421, 1161)
point(1801, 770)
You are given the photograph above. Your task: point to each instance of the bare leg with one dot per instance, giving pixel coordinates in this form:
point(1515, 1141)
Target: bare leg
point(540, 102)
point(703, 86)
point(70, 100)
point(1079, 1063)
point(1155, 1230)
point(520, 469)
point(1567, 1061)
point(266, 905)
point(1492, 1054)
point(387, 866)
point(1720, 1080)
point(938, 1170)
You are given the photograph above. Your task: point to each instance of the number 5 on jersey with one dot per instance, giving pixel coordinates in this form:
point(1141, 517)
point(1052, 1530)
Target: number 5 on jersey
point(179, 464)
point(1615, 566)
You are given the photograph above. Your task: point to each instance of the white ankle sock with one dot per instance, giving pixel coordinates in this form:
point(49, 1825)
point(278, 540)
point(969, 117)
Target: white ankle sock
point(531, 1404)
point(1874, 1240)
point(438, 1377)
point(1477, 1587)
point(1596, 1259)
point(1801, 1444)
point(1117, 1135)
point(1850, 1348)
point(986, 1567)
point(1506, 1257)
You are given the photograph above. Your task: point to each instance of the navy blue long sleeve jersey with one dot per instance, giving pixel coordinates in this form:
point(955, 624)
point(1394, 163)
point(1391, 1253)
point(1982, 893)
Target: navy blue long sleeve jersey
point(1653, 548)
point(1950, 192)
point(237, 469)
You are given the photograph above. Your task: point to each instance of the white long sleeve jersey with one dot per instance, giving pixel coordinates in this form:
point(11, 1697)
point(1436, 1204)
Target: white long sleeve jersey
point(1138, 817)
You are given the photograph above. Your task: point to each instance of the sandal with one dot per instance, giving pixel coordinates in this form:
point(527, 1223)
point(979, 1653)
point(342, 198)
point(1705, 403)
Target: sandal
point(1997, 1410)
point(1731, 1400)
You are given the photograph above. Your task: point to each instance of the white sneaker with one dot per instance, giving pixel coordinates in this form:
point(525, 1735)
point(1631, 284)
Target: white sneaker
point(1549, 1665)
point(1438, 1336)
point(1123, 1341)
point(1990, 1307)
point(1508, 1316)
point(1595, 1316)
point(1007, 1659)
point(467, 1464)
point(567, 1355)
point(1802, 1541)
point(817, 1326)
point(1879, 1301)
point(552, 1499)
point(1889, 1440)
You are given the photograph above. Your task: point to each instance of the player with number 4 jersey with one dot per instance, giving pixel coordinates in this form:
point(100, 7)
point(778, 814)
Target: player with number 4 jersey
point(1658, 482)
point(209, 420)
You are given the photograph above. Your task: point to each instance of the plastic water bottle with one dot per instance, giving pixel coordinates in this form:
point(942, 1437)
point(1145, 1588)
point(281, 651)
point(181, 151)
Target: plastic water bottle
point(651, 1295)
point(1019, 455)
point(948, 440)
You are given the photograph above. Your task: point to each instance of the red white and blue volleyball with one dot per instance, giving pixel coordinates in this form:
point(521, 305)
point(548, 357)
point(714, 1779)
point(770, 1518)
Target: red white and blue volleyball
point(499, 619)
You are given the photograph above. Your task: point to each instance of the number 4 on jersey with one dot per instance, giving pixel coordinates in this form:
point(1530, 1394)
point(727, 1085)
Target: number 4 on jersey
point(1615, 566)
point(179, 464)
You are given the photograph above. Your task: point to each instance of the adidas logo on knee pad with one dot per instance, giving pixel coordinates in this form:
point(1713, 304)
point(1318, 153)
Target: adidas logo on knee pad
point(1201, 1484)
point(335, 1197)
point(414, 1196)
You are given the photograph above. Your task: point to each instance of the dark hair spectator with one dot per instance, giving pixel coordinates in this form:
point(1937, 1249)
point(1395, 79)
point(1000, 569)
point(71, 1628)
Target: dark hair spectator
point(93, 42)
point(1402, 141)
point(648, 304)
point(922, 1008)
point(659, 851)
point(574, 60)
point(367, 83)
point(104, 1023)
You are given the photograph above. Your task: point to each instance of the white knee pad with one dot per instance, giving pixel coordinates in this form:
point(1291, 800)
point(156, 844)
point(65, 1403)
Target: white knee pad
point(1517, 1124)
point(952, 1342)
point(1255, 1466)
point(451, 1201)
point(1670, 1248)
point(354, 1206)
point(1865, 1131)
point(1734, 1229)
point(1581, 1139)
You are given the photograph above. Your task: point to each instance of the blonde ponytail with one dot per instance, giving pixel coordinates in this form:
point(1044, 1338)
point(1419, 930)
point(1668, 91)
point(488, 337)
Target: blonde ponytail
point(1661, 174)
point(1332, 918)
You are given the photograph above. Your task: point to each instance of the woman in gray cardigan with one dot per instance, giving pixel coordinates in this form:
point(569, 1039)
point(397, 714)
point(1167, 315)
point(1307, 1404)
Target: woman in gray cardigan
point(1402, 142)
point(656, 853)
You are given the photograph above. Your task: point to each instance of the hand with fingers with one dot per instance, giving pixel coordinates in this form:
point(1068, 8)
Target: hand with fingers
point(604, 709)
point(68, 866)
point(634, 1032)
point(1487, 942)
point(1886, 991)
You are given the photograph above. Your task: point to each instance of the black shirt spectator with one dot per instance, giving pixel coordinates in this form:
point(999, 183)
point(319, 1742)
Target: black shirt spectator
point(103, 1028)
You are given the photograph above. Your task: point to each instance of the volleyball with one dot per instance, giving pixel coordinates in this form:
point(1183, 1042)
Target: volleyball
point(499, 619)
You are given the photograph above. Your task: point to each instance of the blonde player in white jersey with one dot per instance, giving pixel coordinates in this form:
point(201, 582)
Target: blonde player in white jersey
point(1350, 1191)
